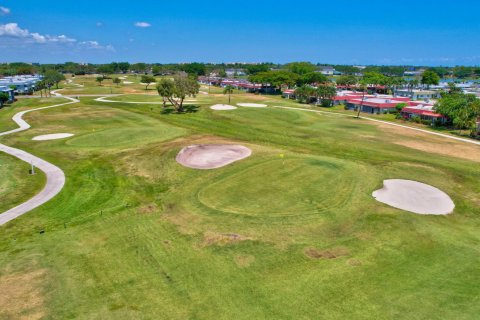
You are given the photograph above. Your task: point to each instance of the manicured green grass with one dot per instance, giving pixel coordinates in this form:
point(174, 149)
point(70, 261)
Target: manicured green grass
point(290, 232)
point(17, 185)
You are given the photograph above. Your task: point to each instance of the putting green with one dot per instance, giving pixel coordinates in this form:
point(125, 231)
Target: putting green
point(117, 137)
point(297, 186)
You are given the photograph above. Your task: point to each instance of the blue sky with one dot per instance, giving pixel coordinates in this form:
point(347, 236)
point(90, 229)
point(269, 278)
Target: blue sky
point(362, 32)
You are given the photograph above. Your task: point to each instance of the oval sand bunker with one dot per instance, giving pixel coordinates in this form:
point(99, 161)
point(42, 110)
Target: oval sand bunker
point(222, 107)
point(211, 156)
point(53, 136)
point(252, 105)
point(415, 197)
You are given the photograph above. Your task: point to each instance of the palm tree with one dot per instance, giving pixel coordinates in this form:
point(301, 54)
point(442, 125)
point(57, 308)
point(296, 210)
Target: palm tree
point(228, 90)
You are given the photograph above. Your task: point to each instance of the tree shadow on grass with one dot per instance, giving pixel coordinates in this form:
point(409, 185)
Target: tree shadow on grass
point(186, 109)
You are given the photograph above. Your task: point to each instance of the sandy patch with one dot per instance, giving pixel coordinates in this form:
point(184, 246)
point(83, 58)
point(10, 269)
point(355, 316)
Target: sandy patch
point(53, 136)
point(453, 149)
point(222, 107)
point(127, 82)
point(252, 105)
point(211, 156)
point(20, 295)
point(327, 254)
point(414, 197)
point(244, 261)
point(222, 239)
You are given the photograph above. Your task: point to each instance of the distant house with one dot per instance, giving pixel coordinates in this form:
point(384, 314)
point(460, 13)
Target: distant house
point(414, 73)
point(288, 94)
point(327, 70)
point(424, 112)
point(235, 72)
point(373, 105)
point(418, 94)
point(21, 84)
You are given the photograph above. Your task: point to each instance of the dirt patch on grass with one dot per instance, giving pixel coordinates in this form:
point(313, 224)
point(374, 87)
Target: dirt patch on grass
point(327, 254)
point(20, 295)
point(222, 239)
point(244, 261)
point(354, 262)
point(148, 209)
point(458, 150)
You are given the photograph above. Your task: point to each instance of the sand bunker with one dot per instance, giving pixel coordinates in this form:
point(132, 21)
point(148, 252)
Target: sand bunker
point(53, 136)
point(223, 107)
point(415, 197)
point(211, 156)
point(252, 105)
point(127, 82)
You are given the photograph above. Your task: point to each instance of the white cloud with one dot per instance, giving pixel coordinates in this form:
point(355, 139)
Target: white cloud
point(12, 30)
point(4, 11)
point(96, 45)
point(142, 24)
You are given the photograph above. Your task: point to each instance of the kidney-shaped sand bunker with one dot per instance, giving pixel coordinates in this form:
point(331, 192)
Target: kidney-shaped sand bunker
point(211, 156)
point(415, 197)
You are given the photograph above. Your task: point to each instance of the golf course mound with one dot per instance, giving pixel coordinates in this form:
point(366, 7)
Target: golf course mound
point(53, 136)
point(414, 197)
point(252, 105)
point(211, 156)
point(294, 187)
point(223, 107)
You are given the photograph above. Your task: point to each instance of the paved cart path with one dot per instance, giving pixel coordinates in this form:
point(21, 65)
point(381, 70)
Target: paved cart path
point(55, 175)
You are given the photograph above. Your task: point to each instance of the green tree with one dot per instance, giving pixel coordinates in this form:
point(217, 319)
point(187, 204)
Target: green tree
point(100, 80)
point(177, 89)
point(363, 84)
point(156, 69)
point(165, 88)
point(139, 67)
point(325, 94)
point(116, 81)
point(347, 80)
point(194, 68)
point(105, 70)
point(301, 68)
point(53, 77)
point(305, 93)
point(277, 78)
point(228, 90)
point(257, 68)
point(147, 80)
point(430, 78)
point(3, 98)
point(462, 110)
point(312, 78)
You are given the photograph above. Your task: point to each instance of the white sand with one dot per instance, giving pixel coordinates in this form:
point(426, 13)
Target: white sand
point(53, 136)
point(415, 197)
point(127, 82)
point(252, 105)
point(211, 156)
point(222, 107)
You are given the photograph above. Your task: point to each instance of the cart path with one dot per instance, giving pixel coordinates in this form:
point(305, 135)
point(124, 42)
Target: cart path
point(55, 175)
